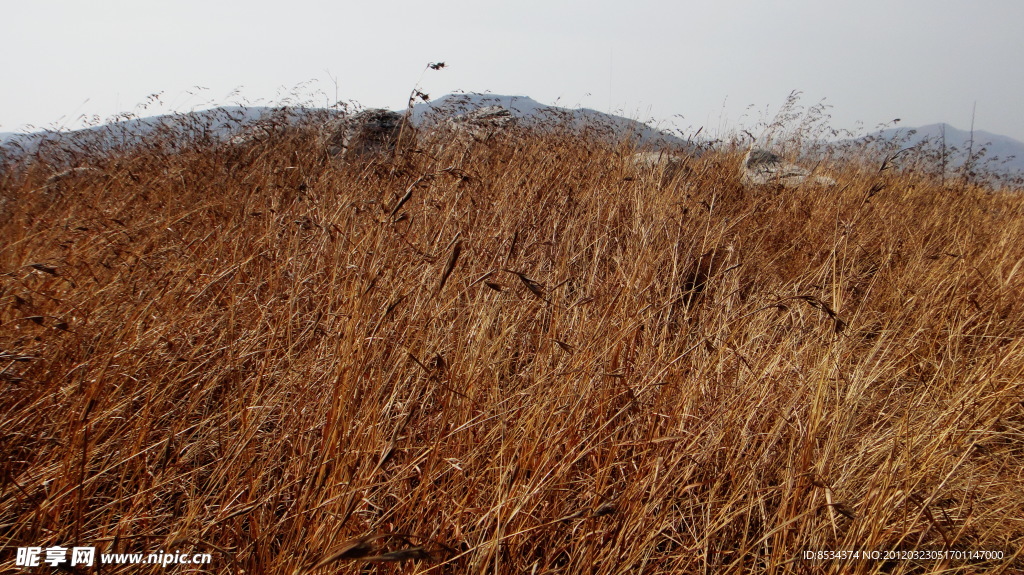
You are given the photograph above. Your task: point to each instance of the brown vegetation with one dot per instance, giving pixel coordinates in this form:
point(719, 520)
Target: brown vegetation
point(520, 359)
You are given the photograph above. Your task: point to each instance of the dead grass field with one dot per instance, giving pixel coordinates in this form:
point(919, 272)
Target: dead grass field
point(522, 359)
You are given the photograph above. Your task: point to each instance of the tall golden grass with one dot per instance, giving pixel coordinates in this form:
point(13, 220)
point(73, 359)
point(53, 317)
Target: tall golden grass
point(521, 358)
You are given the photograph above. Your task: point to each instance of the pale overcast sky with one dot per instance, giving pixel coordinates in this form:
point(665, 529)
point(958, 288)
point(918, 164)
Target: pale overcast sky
point(717, 64)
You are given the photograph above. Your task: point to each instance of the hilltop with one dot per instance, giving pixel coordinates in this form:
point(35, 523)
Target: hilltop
point(519, 356)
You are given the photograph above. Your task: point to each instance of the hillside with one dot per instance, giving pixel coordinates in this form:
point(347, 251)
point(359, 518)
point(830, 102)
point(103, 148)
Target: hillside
point(519, 357)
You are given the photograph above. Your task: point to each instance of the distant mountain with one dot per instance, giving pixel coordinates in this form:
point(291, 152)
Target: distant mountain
point(223, 122)
point(531, 112)
point(216, 123)
point(1002, 154)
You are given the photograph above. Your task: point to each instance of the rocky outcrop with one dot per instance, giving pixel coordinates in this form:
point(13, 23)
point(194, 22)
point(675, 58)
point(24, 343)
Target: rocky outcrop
point(370, 133)
point(761, 167)
point(463, 131)
point(66, 177)
point(662, 166)
point(254, 134)
point(481, 124)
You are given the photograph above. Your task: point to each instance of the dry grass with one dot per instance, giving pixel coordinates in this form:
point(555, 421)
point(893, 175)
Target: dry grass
point(519, 359)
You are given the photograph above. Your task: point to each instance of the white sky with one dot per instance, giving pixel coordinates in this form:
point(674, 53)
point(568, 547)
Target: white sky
point(718, 64)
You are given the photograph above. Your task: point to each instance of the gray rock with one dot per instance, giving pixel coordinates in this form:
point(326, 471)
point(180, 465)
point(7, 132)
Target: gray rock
point(66, 176)
point(761, 167)
point(254, 133)
point(370, 133)
point(663, 166)
point(482, 124)
point(465, 130)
